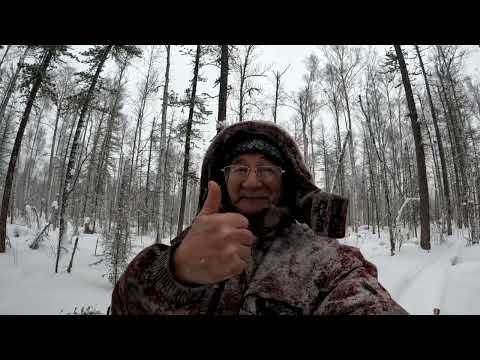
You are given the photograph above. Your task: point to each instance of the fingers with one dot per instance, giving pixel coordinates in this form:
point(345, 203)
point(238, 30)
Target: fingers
point(243, 237)
point(233, 219)
point(237, 267)
point(213, 201)
point(244, 253)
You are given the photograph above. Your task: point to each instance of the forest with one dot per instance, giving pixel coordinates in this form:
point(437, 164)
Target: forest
point(103, 139)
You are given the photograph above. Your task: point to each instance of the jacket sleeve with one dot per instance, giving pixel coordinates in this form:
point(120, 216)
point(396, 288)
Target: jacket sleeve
point(148, 286)
point(352, 288)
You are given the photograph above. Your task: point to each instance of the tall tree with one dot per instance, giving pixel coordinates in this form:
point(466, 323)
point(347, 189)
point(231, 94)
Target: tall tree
point(446, 187)
point(278, 77)
point(419, 152)
point(38, 75)
point(4, 55)
point(345, 61)
point(163, 149)
point(223, 92)
point(186, 160)
point(63, 89)
point(243, 63)
point(97, 56)
point(116, 245)
point(12, 83)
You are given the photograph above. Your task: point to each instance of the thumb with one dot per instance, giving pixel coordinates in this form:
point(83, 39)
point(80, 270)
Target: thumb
point(213, 201)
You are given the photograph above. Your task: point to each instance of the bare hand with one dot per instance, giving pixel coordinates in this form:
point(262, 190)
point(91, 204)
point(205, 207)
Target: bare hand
point(217, 246)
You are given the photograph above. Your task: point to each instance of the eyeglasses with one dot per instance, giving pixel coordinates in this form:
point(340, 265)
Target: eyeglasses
point(264, 173)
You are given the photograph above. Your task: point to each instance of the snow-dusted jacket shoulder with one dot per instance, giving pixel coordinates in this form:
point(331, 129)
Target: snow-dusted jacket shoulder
point(294, 272)
point(298, 266)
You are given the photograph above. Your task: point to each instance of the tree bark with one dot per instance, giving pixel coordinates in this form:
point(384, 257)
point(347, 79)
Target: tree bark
point(147, 181)
point(73, 152)
point(352, 156)
point(11, 85)
point(277, 76)
point(18, 142)
point(446, 186)
point(419, 152)
point(222, 95)
point(5, 55)
point(382, 160)
point(162, 157)
point(186, 161)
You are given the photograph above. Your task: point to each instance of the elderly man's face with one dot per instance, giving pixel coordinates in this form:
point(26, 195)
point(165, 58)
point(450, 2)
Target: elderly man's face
point(255, 192)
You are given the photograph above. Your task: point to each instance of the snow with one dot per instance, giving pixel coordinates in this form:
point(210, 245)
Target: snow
point(446, 277)
point(55, 205)
point(422, 280)
point(29, 285)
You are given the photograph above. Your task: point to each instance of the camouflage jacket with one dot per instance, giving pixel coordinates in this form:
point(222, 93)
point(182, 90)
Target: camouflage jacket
point(298, 266)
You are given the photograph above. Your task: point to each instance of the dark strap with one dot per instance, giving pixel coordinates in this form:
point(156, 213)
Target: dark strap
point(212, 307)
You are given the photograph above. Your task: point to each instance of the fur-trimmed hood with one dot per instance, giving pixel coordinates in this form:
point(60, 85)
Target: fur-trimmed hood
point(325, 213)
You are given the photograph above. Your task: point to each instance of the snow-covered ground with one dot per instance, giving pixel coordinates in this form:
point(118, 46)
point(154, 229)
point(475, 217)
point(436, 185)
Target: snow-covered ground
point(446, 277)
point(29, 284)
point(420, 281)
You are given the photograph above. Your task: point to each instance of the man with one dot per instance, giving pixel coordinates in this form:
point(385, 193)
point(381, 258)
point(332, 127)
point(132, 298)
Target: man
point(262, 243)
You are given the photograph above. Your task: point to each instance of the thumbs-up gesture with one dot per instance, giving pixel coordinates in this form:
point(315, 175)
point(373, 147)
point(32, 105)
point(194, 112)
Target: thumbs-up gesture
point(217, 246)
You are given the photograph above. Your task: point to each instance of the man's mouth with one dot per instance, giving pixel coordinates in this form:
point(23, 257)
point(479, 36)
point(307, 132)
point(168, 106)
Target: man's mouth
point(254, 197)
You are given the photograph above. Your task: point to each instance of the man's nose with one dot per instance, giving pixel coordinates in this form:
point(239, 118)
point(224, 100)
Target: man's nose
point(252, 180)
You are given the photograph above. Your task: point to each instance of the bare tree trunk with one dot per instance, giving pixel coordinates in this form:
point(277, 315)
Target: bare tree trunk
point(456, 156)
point(436, 176)
point(312, 154)
point(278, 75)
point(339, 145)
point(372, 184)
point(165, 185)
point(18, 142)
point(107, 140)
point(50, 164)
point(325, 159)
point(73, 152)
point(69, 269)
point(458, 136)
point(162, 157)
point(186, 161)
point(446, 186)
point(11, 84)
point(419, 152)
point(456, 183)
point(5, 55)
point(91, 167)
point(352, 158)
point(243, 78)
point(340, 161)
point(381, 159)
point(222, 95)
point(29, 165)
point(147, 182)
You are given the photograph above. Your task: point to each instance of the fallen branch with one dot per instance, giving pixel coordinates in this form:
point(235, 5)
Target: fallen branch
point(73, 254)
point(399, 214)
point(96, 262)
point(34, 245)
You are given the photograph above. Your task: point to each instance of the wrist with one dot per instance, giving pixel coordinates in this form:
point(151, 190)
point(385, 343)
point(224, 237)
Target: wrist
point(179, 271)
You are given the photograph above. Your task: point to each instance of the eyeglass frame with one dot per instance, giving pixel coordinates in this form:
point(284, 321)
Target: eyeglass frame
point(282, 171)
